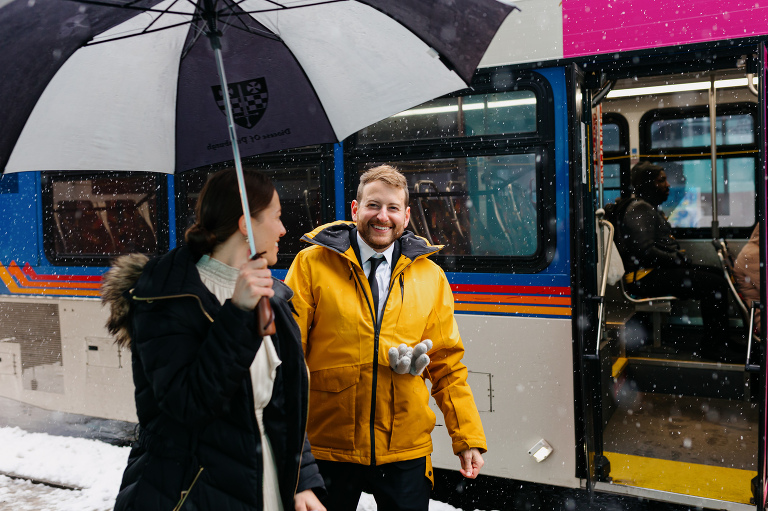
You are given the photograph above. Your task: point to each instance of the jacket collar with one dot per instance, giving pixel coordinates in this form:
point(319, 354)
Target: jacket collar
point(341, 237)
point(175, 273)
point(171, 274)
point(282, 291)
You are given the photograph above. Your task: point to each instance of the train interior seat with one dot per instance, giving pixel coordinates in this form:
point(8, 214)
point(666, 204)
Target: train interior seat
point(658, 308)
point(82, 228)
point(436, 218)
point(126, 218)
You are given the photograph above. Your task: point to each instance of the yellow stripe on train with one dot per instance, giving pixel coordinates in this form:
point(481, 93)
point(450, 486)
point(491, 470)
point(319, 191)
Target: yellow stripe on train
point(14, 288)
point(512, 309)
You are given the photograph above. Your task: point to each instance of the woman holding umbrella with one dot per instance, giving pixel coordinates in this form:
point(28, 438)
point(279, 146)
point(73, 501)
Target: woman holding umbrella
point(222, 409)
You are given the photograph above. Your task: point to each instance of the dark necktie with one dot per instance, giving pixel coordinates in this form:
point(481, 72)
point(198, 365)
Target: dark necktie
point(375, 262)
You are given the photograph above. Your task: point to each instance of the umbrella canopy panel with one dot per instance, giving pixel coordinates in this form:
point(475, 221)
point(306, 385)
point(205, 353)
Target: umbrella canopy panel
point(87, 93)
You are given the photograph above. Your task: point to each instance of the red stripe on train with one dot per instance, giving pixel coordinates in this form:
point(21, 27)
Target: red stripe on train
point(516, 290)
point(31, 275)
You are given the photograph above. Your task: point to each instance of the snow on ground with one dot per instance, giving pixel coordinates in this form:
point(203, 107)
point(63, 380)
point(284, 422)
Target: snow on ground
point(89, 464)
point(94, 466)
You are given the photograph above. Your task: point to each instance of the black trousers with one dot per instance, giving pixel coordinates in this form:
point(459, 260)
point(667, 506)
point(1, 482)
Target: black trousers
point(398, 486)
point(703, 283)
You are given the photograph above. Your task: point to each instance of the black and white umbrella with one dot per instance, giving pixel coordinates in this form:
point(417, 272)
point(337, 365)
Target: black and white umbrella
point(138, 85)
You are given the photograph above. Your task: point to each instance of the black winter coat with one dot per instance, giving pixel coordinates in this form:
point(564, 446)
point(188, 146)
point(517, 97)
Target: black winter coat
point(194, 399)
point(646, 239)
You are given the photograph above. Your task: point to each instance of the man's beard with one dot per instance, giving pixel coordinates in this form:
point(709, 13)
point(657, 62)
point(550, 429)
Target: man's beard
point(373, 243)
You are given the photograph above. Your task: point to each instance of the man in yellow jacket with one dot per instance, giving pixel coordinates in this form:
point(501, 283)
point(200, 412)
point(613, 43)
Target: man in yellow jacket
point(371, 338)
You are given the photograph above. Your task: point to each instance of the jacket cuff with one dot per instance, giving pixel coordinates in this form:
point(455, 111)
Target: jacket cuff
point(463, 445)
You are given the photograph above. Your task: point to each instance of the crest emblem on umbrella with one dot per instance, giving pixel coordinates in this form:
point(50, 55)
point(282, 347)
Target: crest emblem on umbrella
point(248, 98)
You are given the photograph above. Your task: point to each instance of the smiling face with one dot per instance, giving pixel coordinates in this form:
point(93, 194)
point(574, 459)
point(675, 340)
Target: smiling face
point(381, 214)
point(268, 229)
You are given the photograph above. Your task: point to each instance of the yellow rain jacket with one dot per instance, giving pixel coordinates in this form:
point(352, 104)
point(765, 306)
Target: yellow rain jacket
point(360, 410)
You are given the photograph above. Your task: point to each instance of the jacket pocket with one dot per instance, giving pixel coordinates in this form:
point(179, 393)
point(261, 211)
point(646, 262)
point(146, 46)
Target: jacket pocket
point(412, 418)
point(332, 396)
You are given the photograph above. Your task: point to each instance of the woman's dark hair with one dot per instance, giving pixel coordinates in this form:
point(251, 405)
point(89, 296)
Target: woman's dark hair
point(219, 208)
point(642, 178)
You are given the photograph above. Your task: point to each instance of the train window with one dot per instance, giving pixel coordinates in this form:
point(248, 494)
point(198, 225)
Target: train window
point(476, 164)
point(298, 183)
point(611, 137)
point(694, 132)
point(467, 116)
point(690, 198)
point(89, 219)
point(615, 155)
point(476, 206)
point(678, 139)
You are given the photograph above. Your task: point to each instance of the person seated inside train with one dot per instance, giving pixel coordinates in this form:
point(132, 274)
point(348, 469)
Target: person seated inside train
point(746, 273)
point(656, 266)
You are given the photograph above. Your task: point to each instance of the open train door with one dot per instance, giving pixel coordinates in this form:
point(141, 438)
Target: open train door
point(662, 421)
point(760, 488)
point(593, 467)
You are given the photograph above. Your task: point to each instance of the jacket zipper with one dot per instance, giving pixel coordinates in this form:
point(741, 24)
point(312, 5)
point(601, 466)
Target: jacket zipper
point(150, 300)
point(185, 494)
point(304, 428)
point(376, 332)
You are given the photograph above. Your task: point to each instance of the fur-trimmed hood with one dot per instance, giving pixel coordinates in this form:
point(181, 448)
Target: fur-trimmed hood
point(173, 275)
point(120, 279)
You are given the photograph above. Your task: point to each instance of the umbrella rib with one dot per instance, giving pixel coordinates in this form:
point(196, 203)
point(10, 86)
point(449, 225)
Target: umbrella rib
point(197, 33)
point(139, 34)
point(230, 12)
point(284, 8)
point(252, 31)
point(146, 30)
point(103, 3)
point(279, 6)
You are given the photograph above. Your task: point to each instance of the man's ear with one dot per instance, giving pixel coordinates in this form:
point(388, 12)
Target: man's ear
point(354, 210)
point(407, 217)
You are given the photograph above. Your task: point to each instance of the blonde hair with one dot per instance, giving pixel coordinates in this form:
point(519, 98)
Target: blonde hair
point(386, 174)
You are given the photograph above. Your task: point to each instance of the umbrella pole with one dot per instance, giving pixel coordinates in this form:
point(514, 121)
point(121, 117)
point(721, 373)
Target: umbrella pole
point(264, 310)
point(213, 35)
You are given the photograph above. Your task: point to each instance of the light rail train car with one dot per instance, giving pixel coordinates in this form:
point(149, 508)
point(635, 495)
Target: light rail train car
point(590, 398)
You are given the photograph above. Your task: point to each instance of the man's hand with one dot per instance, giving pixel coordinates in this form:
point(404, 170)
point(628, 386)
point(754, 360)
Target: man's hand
point(419, 357)
point(400, 359)
point(410, 360)
point(471, 462)
point(307, 501)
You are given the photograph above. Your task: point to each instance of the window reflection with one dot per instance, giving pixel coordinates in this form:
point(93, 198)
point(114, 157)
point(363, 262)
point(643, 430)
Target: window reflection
point(690, 196)
point(480, 206)
point(297, 185)
point(616, 161)
point(679, 140)
point(480, 114)
point(102, 216)
point(695, 131)
point(612, 138)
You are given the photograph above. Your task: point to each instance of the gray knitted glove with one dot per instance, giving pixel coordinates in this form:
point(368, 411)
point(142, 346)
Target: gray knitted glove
point(419, 358)
point(400, 359)
point(410, 360)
